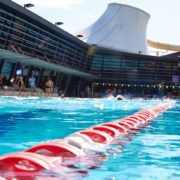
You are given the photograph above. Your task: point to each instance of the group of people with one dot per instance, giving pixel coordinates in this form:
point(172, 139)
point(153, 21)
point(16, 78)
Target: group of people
point(106, 93)
point(20, 85)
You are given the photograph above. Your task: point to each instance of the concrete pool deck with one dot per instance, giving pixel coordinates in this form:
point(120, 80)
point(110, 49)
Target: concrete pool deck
point(23, 93)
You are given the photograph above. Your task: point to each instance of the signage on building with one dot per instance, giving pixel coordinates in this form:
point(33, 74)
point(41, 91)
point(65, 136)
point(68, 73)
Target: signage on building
point(175, 78)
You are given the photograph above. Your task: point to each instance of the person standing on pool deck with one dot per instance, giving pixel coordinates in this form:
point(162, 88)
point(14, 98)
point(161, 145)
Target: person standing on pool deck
point(32, 81)
point(49, 87)
point(20, 85)
point(87, 91)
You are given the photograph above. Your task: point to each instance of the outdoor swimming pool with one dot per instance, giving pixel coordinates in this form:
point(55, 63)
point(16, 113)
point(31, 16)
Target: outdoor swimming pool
point(154, 153)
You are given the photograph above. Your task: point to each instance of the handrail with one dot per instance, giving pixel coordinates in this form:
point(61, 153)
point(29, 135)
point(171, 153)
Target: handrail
point(38, 90)
point(38, 28)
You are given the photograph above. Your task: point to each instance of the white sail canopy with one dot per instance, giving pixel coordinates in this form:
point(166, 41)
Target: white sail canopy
point(121, 27)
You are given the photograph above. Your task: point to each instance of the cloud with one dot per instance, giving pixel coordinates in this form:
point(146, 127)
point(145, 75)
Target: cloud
point(64, 4)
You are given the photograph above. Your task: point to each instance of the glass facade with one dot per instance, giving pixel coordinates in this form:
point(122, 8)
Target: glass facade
point(128, 68)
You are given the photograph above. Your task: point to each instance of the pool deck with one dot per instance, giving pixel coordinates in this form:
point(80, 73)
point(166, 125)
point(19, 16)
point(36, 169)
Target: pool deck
point(23, 93)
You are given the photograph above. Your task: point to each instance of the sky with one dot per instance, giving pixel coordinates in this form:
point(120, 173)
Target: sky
point(163, 25)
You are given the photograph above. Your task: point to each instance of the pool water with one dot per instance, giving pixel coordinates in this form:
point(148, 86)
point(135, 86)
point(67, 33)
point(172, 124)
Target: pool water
point(154, 153)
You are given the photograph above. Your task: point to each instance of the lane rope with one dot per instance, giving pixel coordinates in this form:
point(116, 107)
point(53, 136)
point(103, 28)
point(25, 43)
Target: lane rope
point(86, 148)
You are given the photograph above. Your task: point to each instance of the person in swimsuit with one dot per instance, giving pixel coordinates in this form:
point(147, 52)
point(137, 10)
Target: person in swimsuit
point(20, 85)
point(49, 87)
point(32, 81)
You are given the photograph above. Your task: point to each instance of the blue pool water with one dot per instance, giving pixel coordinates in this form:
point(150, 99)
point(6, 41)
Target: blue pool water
point(154, 153)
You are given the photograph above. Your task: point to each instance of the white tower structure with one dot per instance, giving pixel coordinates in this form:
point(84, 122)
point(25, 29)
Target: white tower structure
point(121, 27)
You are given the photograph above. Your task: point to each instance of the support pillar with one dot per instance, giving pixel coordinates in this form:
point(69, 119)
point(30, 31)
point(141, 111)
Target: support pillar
point(67, 84)
point(60, 81)
point(79, 86)
point(40, 77)
point(13, 70)
point(1, 65)
point(28, 75)
point(58, 78)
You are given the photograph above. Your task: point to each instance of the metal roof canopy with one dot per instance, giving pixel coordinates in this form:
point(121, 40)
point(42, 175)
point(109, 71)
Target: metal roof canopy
point(41, 21)
point(113, 52)
point(14, 57)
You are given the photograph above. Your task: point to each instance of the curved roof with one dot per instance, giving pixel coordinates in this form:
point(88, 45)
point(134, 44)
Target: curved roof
point(120, 4)
point(121, 27)
point(164, 46)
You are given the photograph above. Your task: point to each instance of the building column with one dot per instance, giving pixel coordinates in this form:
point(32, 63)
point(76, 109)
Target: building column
point(58, 78)
point(1, 65)
point(79, 86)
point(13, 70)
point(67, 84)
point(40, 77)
point(28, 75)
point(60, 81)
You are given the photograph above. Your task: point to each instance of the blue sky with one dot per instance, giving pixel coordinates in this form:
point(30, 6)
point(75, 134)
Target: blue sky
point(163, 25)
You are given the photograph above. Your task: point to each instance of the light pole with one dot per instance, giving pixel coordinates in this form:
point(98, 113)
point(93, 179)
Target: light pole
point(28, 5)
point(79, 36)
point(139, 52)
point(59, 23)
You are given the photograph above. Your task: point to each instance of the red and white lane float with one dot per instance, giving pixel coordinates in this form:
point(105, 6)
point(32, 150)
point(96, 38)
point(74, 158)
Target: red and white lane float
point(76, 148)
point(27, 162)
point(56, 149)
point(118, 127)
point(106, 129)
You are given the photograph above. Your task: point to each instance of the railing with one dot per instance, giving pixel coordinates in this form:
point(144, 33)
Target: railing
point(39, 90)
point(124, 68)
point(26, 38)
